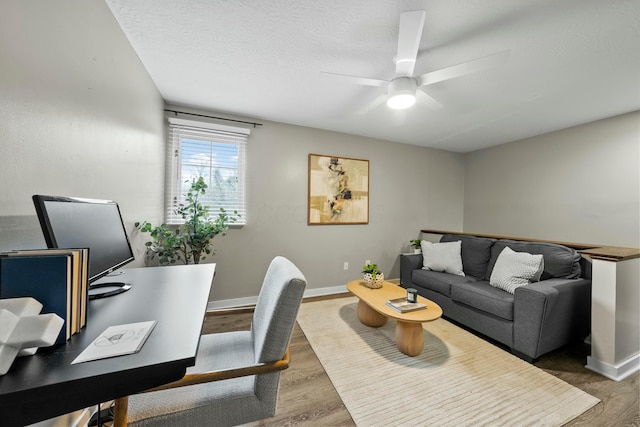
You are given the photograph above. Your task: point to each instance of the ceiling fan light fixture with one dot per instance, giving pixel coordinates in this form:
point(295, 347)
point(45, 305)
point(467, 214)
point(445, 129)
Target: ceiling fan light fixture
point(402, 93)
point(401, 101)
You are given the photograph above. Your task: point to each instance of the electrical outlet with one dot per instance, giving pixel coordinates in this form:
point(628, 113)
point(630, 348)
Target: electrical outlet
point(346, 265)
point(367, 262)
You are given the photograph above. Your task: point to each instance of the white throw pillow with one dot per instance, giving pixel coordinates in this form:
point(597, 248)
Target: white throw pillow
point(515, 269)
point(442, 257)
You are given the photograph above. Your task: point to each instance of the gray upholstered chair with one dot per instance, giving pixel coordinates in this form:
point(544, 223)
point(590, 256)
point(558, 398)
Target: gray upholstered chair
point(241, 369)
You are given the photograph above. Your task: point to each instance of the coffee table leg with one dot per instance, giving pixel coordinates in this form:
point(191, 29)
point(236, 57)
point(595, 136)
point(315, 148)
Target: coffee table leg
point(368, 316)
point(409, 338)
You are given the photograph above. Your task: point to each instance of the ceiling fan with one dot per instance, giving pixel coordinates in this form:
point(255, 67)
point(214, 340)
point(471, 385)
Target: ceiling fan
point(403, 90)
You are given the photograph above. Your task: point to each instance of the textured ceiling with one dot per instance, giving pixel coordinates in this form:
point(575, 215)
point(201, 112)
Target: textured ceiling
point(571, 62)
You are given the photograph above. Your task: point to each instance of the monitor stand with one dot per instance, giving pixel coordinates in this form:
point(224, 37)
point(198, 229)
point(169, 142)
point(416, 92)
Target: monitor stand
point(107, 289)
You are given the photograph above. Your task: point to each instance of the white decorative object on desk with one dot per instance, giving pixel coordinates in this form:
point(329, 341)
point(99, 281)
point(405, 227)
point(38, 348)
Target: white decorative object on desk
point(23, 329)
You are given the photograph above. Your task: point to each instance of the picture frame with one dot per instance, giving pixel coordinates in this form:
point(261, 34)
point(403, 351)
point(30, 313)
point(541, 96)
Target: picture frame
point(338, 190)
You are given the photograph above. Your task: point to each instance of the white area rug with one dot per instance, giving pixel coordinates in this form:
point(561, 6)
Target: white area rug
point(458, 380)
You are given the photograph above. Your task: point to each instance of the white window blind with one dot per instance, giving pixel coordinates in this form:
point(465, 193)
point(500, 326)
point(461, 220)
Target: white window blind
point(214, 152)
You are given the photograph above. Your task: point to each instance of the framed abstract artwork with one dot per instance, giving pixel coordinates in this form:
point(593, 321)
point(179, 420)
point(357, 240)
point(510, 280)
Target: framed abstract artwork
point(338, 190)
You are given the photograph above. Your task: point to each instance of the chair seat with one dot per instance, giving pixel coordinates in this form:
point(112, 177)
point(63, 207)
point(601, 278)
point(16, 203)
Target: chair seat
point(204, 402)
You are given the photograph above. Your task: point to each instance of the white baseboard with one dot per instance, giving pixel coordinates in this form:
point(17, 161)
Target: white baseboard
point(615, 372)
point(231, 303)
point(251, 301)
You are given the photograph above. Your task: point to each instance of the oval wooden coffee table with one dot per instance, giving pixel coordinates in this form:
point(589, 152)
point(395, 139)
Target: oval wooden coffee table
point(373, 311)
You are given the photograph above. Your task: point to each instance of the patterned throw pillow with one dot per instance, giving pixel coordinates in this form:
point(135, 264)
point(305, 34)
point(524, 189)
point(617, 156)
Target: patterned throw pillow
point(515, 269)
point(444, 257)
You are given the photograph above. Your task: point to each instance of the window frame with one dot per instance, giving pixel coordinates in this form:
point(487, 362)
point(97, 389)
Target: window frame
point(179, 129)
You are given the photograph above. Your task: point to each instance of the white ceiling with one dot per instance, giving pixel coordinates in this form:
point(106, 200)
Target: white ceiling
point(571, 62)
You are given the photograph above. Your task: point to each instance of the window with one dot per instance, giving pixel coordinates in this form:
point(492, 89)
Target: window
point(214, 152)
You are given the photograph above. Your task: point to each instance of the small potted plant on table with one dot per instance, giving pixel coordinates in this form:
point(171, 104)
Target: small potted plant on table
point(416, 243)
point(373, 278)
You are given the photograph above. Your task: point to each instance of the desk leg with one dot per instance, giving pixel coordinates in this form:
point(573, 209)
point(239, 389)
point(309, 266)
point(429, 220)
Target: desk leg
point(121, 412)
point(409, 338)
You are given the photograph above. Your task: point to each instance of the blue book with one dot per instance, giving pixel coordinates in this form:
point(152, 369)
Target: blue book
point(46, 278)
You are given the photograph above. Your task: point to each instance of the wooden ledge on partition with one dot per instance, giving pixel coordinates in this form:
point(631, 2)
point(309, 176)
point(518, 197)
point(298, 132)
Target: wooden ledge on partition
point(612, 253)
point(606, 253)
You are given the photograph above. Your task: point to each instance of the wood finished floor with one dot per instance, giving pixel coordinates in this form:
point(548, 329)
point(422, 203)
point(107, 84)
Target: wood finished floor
point(308, 398)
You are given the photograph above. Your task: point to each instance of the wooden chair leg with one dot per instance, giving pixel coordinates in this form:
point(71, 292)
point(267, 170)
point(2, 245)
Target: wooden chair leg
point(121, 412)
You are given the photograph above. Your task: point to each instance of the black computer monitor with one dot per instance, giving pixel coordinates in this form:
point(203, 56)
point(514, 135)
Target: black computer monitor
point(71, 222)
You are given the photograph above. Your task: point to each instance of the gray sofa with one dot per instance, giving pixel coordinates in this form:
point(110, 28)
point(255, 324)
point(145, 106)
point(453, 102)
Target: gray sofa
point(537, 318)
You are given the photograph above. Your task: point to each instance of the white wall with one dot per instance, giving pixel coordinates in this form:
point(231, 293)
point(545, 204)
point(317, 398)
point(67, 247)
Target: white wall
point(410, 188)
point(580, 184)
point(79, 115)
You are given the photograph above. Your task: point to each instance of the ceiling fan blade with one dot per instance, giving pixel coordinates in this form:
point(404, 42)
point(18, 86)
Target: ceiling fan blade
point(372, 105)
point(428, 100)
point(365, 81)
point(409, 35)
point(463, 69)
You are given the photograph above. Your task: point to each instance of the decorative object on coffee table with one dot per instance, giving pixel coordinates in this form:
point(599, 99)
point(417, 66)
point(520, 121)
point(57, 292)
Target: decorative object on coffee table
point(373, 278)
point(412, 295)
point(404, 306)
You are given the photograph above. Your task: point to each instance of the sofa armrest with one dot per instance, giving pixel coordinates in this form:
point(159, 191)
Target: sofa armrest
point(549, 314)
point(408, 263)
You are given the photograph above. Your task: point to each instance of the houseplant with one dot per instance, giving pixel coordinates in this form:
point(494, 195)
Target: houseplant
point(190, 242)
point(373, 277)
point(416, 243)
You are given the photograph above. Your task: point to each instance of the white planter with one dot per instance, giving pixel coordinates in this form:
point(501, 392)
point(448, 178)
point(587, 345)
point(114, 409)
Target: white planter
point(372, 283)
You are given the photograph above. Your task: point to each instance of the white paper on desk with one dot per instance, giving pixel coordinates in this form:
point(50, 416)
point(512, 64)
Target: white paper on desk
point(117, 341)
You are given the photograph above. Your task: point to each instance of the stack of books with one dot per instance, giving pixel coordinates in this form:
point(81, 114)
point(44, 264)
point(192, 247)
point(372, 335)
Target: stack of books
point(57, 278)
point(404, 306)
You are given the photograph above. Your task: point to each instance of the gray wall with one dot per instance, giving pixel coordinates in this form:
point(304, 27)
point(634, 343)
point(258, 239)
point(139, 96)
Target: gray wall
point(79, 115)
point(410, 188)
point(580, 184)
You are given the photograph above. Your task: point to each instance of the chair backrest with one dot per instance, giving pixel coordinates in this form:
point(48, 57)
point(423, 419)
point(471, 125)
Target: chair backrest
point(276, 310)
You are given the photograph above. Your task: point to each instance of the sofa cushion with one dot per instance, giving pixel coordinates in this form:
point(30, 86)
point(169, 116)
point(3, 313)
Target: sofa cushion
point(476, 252)
point(482, 296)
point(438, 281)
point(515, 269)
point(559, 261)
point(445, 257)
